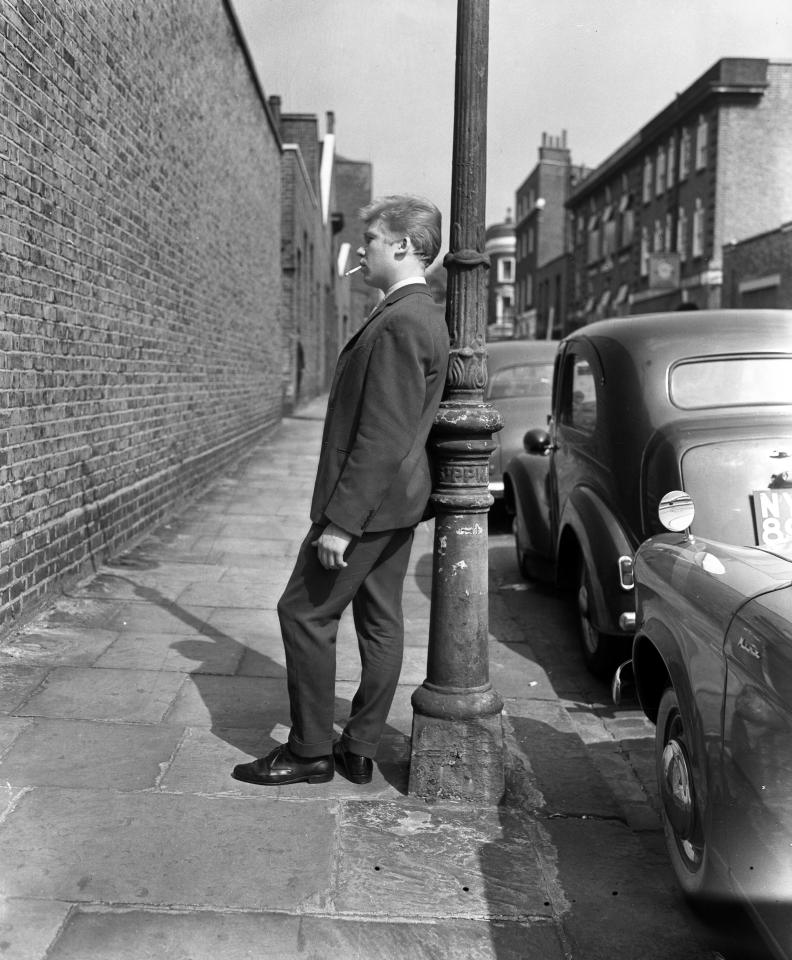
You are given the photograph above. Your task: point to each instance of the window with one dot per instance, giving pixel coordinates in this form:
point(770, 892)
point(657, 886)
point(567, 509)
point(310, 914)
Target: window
point(731, 382)
point(521, 380)
point(593, 238)
point(669, 232)
point(627, 227)
point(684, 155)
point(682, 235)
point(506, 270)
point(670, 163)
point(529, 291)
point(647, 180)
point(660, 172)
point(644, 251)
point(608, 231)
point(657, 241)
point(530, 240)
point(579, 401)
point(698, 229)
point(702, 135)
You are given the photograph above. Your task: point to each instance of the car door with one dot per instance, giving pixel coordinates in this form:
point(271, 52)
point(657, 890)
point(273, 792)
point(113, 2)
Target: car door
point(576, 454)
point(757, 747)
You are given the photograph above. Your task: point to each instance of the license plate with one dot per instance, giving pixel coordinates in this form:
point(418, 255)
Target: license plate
point(772, 513)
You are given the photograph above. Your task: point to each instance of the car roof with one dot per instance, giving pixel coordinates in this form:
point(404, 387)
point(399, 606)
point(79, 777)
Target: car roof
point(507, 353)
point(688, 333)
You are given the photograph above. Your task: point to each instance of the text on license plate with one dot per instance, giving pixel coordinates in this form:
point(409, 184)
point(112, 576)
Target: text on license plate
point(772, 510)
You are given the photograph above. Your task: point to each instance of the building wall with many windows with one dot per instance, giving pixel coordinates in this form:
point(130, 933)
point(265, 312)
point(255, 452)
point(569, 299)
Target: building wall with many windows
point(499, 245)
point(650, 222)
point(542, 238)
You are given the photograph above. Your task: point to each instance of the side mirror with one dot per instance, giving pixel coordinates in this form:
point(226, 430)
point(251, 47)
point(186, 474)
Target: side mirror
point(536, 441)
point(676, 511)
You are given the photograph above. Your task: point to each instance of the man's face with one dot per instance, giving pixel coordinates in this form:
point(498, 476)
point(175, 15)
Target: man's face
point(378, 256)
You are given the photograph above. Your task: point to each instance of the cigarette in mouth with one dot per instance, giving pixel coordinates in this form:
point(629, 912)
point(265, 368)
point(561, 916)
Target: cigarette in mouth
point(353, 270)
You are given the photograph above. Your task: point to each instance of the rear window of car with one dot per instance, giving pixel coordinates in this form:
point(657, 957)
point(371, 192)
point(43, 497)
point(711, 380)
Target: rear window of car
point(521, 380)
point(731, 382)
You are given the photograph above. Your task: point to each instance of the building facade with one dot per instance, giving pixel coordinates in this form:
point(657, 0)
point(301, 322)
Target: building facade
point(353, 191)
point(500, 245)
point(140, 277)
point(757, 272)
point(543, 241)
point(649, 224)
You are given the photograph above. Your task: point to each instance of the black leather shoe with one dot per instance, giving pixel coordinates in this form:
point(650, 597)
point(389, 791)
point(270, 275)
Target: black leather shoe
point(354, 767)
point(281, 766)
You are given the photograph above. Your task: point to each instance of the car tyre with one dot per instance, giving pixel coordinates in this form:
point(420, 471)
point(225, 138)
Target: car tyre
point(685, 824)
point(602, 653)
point(522, 560)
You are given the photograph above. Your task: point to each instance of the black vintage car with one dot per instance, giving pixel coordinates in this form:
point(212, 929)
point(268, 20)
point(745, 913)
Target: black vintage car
point(712, 667)
point(697, 401)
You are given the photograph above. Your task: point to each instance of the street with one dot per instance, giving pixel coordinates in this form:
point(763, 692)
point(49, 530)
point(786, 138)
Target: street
point(618, 740)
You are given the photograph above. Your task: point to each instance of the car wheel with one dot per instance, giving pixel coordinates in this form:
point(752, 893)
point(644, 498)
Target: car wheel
point(684, 823)
point(522, 561)
point(601, 652)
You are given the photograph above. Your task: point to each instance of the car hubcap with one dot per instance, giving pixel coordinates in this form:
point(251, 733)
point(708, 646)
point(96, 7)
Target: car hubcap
point(677, 793)
point(588, 634)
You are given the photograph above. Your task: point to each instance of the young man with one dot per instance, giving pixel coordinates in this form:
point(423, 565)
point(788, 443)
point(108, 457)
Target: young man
point(372, 487)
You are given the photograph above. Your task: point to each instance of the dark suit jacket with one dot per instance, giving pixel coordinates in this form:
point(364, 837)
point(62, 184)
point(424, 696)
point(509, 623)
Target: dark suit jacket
point(374, 469)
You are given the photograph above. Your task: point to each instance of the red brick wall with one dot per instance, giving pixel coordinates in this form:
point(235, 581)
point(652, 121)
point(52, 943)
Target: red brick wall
point(140, 277)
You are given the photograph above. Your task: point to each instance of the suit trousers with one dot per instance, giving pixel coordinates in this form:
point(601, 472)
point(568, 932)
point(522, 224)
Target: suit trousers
point(310, 610)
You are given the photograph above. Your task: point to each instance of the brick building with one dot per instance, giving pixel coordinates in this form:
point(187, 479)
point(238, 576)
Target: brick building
point(500, 245)
point(353, 182)
point(140, 281)
point(757, 271)
point(650, 222)
point(309, 291)
point(543, 243)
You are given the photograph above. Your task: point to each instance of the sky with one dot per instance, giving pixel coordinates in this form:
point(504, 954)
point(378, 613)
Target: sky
point(598, 69)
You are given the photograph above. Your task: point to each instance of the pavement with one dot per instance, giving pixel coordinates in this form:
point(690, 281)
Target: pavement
point(125, 704)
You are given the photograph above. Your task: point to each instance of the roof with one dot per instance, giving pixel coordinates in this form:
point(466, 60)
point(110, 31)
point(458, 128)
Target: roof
point(686, 332)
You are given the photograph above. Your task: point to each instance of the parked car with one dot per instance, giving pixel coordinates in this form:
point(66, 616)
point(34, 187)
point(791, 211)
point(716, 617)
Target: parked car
point(712, 667)
point(519, 378)
point(698, 401)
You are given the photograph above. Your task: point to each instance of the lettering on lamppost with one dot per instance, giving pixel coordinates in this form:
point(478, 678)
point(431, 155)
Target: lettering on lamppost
point(457, 738)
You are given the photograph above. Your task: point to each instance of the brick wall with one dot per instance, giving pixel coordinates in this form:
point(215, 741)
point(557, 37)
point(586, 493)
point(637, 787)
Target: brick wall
point(758, 271)
point(140, 274)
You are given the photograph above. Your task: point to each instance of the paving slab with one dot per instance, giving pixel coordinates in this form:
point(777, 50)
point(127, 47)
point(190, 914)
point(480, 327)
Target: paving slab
point(622, 901)
point(418, 860)
point(168, 850)
point(90, 755)
point(231, 702)
point(242, 595)
point(517, 676)
point(156, 614)
point(562, 767)
point(188, 653)
point(140, 935)
point(61, 645)
point(17, 683)
point(10, 729)
point(141, 696)
point(28, 927)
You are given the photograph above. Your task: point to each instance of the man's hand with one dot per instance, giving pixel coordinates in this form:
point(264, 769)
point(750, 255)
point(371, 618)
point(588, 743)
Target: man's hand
point(331, 545)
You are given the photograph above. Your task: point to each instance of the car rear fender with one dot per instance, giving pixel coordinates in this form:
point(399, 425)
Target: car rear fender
point(525, 488)
point(589, 530)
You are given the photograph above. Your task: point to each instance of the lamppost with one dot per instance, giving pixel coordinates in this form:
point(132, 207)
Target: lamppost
point(457, 737)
